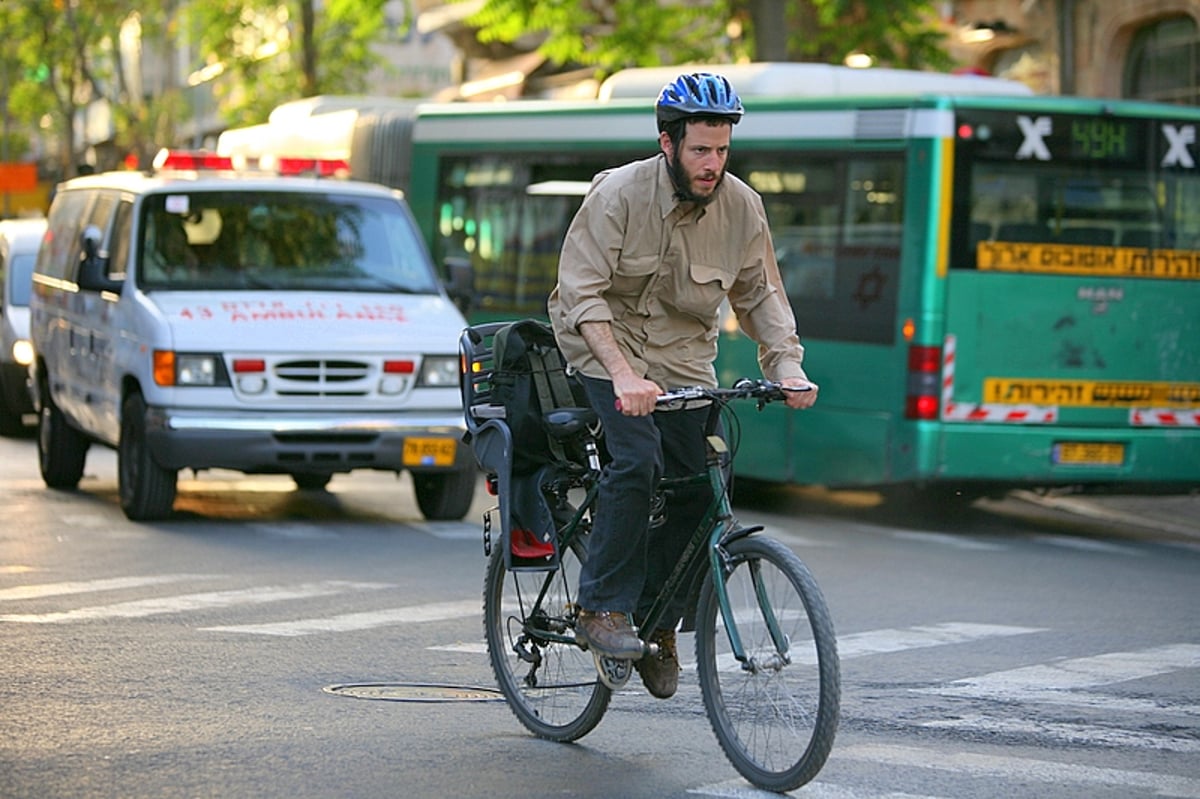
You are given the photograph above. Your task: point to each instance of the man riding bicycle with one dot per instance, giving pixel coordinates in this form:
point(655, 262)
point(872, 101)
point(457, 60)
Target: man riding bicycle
point(656, 248)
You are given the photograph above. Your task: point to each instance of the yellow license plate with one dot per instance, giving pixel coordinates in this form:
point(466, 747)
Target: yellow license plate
point(1089, 453)
point(430, 451)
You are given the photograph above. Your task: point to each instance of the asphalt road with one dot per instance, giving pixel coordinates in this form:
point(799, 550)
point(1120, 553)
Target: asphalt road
point(266, 642)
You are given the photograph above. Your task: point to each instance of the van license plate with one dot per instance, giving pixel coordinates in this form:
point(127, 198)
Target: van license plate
point(1089, 453)
point(429, 451)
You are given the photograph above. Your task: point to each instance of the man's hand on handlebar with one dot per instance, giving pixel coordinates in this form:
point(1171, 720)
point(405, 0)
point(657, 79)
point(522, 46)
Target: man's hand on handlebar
point(799, 393)
point(636, 396)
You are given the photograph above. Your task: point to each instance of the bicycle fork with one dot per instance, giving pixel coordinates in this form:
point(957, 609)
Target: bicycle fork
point(721, 567)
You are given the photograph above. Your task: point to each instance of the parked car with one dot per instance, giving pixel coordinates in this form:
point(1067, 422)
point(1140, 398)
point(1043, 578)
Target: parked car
point(19, 242)
point(193, 318)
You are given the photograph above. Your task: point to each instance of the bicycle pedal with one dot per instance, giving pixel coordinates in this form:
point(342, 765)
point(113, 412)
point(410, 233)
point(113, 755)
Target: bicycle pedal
point(613, 672)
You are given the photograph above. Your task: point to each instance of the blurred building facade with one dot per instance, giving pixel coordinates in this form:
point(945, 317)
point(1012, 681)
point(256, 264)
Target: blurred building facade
point(1147, 49)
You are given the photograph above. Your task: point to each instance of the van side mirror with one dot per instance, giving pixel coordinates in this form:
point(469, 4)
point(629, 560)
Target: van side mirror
point(93, 264)
point(461, 282)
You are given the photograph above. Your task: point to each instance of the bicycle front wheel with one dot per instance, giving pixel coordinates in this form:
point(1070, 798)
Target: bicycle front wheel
point(551, 686)
point(776, 714)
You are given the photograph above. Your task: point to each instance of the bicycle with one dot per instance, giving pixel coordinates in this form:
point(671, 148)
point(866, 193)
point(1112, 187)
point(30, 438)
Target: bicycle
point(766, 652)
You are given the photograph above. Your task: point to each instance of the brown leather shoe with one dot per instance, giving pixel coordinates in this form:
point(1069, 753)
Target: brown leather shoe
point(660, 673)
point(609, 633)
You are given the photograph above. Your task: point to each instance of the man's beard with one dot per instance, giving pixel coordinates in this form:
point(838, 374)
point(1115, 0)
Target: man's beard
point(683, 186)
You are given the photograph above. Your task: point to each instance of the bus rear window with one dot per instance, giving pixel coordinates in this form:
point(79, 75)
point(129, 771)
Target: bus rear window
point(1013, 200)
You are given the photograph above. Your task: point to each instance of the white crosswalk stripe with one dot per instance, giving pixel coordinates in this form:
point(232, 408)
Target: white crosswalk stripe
point(348, 622)
point(1090, 734)
point(1065, 681)
point(87, 586)
point(1021, 769)
point(736, 789)
point(876, 642)
point(191, 602)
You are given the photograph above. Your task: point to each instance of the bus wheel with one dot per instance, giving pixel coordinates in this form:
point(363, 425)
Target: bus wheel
point(445, 496)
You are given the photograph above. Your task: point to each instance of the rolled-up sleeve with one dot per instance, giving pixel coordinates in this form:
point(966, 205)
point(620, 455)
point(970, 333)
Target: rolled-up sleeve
point(763, 312)
point(588, 259)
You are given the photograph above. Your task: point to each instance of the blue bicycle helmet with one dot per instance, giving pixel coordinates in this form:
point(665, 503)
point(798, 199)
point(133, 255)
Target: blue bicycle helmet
point(698, 94)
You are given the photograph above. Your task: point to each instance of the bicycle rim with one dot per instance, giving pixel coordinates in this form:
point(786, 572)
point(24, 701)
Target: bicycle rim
point(551, 688)
point(776, 722)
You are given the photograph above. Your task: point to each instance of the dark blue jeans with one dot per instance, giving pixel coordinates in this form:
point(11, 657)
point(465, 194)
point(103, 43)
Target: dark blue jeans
point(628, 562)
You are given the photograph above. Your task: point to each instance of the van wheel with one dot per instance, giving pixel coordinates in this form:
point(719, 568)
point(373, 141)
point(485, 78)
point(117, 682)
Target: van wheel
point(62, 449)
point(311, 482)
point(147, 490)
point(445, 496)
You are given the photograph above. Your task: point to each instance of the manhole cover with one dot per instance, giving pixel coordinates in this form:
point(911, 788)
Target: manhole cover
point(416, 692)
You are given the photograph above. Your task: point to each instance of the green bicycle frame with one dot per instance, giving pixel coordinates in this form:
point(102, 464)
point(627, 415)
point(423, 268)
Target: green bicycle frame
point(715, 529)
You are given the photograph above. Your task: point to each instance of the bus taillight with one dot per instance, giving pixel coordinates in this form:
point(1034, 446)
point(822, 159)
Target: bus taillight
point(924, 383)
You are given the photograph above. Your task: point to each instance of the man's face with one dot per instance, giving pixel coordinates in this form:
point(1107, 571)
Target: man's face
point(699, 164)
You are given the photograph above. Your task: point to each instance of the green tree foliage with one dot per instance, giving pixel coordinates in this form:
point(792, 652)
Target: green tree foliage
point(53, 45)
point(72, 60)
point(272, 52)
point(896, 33)
point(611, 34)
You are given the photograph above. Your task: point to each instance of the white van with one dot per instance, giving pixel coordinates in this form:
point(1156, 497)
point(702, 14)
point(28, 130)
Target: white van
point(19, 242)
point(195, 318)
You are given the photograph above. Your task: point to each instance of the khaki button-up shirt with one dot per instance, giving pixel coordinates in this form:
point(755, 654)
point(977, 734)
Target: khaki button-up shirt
point(658, 271)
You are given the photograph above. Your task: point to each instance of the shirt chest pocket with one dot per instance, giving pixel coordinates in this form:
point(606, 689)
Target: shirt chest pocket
point(702, 293)
point(632, 275)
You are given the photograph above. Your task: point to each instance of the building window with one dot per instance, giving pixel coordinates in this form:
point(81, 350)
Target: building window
point(1164, 63)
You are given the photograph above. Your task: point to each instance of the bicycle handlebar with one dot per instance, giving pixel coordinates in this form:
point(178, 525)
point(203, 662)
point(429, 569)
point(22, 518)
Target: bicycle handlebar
point(747, 388)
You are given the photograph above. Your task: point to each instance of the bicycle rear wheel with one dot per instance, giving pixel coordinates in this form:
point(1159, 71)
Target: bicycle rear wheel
point(775, 716)
point(551, 687)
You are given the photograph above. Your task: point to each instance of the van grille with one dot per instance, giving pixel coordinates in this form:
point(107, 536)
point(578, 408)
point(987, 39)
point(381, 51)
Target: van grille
point(321, 378)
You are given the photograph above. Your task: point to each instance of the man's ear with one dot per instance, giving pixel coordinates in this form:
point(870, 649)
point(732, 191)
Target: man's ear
point(664, 144)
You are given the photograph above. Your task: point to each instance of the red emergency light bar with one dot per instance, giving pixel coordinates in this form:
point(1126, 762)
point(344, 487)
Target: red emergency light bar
point(196, 160)
point(321, 167)
point(192, 160)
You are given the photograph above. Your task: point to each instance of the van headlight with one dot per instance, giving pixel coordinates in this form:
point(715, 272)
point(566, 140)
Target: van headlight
point(196, 370)
point(439, 371)
point(22, 352)
point(189, 369)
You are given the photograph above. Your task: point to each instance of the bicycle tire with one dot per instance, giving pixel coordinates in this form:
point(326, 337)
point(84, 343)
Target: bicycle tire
point(776, 723)
point(561, 698)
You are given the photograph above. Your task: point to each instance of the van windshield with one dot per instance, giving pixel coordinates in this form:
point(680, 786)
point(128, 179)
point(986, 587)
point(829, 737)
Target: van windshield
point(229, 240)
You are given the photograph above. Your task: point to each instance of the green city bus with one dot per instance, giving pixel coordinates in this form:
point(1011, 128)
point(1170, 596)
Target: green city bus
point(994, 289)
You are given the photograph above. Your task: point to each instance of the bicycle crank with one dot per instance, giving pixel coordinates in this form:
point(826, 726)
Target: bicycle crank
point(613, 672)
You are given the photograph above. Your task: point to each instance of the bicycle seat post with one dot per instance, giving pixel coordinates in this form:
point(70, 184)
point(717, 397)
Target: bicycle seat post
point(593, 455)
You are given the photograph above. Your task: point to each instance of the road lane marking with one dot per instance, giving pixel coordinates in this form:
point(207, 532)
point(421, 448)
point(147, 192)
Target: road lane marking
point(942, 539)
point(449, 531)
point(348, 622)
point(475, 648)
point(1087, 545)
point(738, 789)
point(878, 642)
point(1074, 674)
point(1065, 682)
point(1076, 734)
point(87, 586)
point(298, 531)
point(192, 602)
point(1020, 769)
